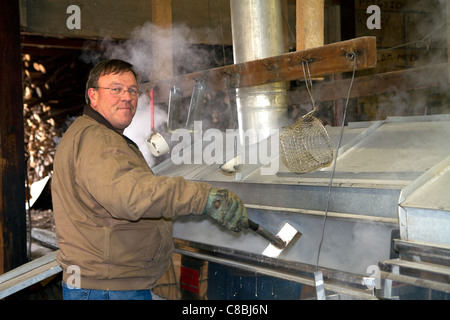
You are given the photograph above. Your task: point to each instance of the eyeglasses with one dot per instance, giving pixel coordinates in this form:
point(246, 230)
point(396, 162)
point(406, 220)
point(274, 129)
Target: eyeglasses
point(120, 92)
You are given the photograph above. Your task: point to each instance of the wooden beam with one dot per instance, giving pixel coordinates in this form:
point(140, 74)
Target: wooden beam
point(389, 82)
point(12, 164)
point(49, 18)
point(35, 41)
point(325, 60)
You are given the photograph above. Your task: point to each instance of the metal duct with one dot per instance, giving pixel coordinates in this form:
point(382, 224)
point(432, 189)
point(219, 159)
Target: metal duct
point(257, 34)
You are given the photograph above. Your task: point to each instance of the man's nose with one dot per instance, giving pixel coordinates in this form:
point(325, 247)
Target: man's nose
point(126, 96)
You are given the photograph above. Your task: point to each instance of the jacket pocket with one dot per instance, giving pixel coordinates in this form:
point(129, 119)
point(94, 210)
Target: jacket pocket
point(165, 248)
point(134, 247)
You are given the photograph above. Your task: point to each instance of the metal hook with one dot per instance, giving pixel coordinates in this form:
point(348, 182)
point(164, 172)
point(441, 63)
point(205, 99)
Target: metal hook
point(306, 62)
point(233, 77)
point(349, 55)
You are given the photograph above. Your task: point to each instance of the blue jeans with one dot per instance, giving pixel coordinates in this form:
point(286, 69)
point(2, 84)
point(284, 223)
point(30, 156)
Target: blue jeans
point(71, 293)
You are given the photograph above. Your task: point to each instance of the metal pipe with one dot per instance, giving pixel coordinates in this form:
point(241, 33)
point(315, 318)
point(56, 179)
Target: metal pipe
point(257, 33)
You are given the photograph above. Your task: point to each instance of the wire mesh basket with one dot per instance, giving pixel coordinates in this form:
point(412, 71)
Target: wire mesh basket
point(305, 145)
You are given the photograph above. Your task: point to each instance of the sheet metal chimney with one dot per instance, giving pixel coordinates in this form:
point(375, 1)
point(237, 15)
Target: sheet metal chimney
point(257, 34)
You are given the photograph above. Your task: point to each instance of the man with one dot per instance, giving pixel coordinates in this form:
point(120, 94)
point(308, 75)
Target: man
point(113, 216)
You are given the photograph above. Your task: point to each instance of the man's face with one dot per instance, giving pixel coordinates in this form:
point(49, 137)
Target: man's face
point(118, 109)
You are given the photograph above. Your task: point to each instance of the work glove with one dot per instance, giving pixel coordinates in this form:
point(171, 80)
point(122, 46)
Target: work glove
point(227, 208)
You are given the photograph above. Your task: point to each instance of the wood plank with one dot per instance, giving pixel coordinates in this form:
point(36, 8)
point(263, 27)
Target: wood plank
point(37, 41)
point(325, 60)
point(389, 82)
point(46, 237)
point(422, 266)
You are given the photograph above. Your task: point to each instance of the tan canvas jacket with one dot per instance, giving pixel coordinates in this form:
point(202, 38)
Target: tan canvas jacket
point(113, 216)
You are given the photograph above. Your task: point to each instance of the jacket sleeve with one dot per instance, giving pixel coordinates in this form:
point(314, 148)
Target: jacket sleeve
point(117, 176)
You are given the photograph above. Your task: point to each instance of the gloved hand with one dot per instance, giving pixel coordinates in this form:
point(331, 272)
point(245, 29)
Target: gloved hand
point(227, 208)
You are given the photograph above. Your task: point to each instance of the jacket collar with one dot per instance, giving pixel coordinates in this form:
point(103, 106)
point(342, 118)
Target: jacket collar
point(88, 111)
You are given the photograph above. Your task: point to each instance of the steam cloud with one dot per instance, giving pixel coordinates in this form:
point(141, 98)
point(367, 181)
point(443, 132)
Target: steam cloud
point(138, 51)
point(425, 45)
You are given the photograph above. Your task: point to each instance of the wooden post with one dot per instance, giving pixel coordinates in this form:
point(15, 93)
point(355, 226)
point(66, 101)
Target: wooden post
point(162, 39)
point(309, 23)
point(12, 164)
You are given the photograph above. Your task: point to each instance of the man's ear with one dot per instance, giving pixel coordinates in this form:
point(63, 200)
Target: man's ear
point(93, 96)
